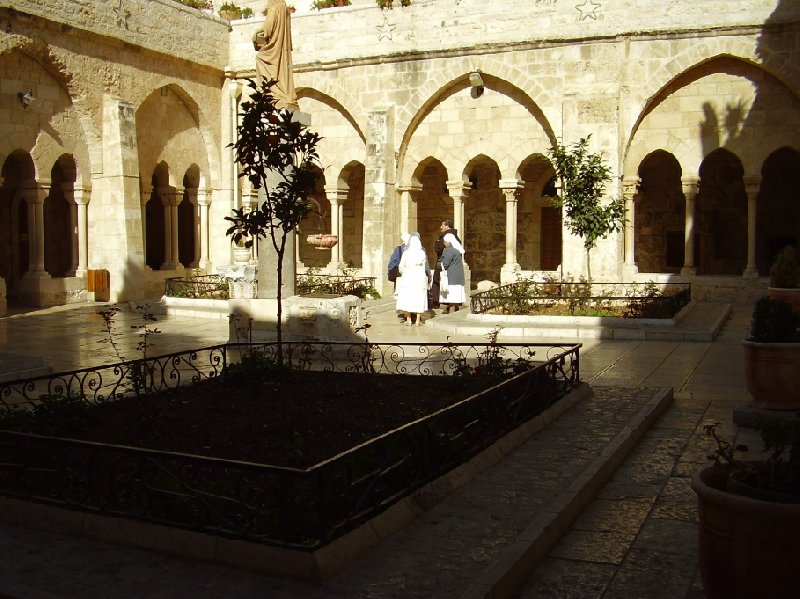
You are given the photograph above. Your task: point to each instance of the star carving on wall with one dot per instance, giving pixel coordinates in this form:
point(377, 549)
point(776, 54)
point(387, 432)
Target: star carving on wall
point(122, 16)
point(385, 29)
point(588, 10)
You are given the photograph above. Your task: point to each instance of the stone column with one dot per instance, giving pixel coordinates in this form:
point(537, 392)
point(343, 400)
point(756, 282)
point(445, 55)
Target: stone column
point(408, 208)
point(82, 197)
point(79, 225)
point(191, 195)
point(337, 198)
point(204, 202)
point(752, 184)
point(459, 191)
point(512, 190)
point(169, 198)
point(690, 187)
point(34, 197)
point(630, 193)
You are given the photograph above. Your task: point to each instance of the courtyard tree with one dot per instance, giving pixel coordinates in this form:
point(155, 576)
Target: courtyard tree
point(277, 155)
point(583, 177)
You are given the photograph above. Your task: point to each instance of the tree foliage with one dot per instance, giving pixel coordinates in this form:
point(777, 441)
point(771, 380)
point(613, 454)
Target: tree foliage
point(277, 155)
point(583, 177)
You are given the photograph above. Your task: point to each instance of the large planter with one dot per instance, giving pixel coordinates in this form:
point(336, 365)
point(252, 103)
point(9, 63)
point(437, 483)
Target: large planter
point(748, 548)
point(322, 241)
point(241, 255)
point(790, 295)
point(231, 15)
point(772, 371)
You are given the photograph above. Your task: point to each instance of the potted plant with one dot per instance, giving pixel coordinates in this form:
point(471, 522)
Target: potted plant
point(230, 11)
point(749, 516)
point(388, 3)
point(320, 4)
point(772, 355)
point(784, 277)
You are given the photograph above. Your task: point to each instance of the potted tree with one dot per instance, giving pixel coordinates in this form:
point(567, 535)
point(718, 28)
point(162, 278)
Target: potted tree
point(772, 355)
point(784, 277)
point(749, 517)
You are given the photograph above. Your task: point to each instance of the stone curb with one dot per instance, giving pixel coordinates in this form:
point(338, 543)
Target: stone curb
point(515, 564)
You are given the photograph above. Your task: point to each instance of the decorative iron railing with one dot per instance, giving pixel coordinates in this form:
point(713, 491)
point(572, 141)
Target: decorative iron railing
point(199, 287)
point(640, 300)
point(300, 508)
point(335, 284)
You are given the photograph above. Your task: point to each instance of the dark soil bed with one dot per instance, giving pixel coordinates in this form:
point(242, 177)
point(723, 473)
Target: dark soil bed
point(295, 419)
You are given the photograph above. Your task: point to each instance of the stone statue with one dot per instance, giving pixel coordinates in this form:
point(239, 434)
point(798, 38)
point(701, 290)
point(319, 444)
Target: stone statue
point(274, 54)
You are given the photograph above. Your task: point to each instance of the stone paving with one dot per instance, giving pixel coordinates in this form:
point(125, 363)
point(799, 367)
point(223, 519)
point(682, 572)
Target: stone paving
point(636, 539)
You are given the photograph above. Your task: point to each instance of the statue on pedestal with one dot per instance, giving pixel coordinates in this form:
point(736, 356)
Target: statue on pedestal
point(273, 43)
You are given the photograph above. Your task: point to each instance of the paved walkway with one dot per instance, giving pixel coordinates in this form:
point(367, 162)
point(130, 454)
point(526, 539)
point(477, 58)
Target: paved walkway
point(635, 539)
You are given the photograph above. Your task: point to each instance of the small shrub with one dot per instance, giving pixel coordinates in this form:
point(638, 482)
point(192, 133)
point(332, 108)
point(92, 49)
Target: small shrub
point(785, 271)
point(774, 321)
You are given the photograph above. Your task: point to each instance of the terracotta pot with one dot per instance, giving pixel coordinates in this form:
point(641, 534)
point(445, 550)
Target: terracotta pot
point(322, 241)
point(772, 371)
point(747, 547)
point(790, 295)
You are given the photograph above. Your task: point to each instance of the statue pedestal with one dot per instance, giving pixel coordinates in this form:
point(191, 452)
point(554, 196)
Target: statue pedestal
point(241, 280)
point(320, 317)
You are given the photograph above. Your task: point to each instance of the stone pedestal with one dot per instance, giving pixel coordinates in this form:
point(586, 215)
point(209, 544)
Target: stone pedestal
point(322, 316)
point(242, 280)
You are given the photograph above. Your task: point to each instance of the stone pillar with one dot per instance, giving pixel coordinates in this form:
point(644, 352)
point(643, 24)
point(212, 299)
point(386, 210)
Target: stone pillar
point(191, 195)
point(204, 202)
point(630, 193)
point(169, 198)
point(459, 191)
point(82, 197)
point(79, 225)
point(690, 187)
point(512, 191)
point(408, 208)
point(380, 208)
point(337, 198)
point(752, 184)
point(117, 204)
point(34, 197)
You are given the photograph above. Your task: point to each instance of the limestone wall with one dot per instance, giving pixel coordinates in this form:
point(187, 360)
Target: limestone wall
point(364, 31)
point(162, 26)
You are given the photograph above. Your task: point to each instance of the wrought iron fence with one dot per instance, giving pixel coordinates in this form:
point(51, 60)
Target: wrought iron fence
point(639, 300)
point(336, 284)
point(291, 507)
point(199, 287)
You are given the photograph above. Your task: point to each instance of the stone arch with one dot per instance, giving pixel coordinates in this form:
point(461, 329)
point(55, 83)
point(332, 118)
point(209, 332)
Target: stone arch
point(721, 215)
point(318, 220)
point(60, 218)
point(430, 201)
point(335, 151)
point(58, 126)
point(659, 215)
point(168, 130)
point(777, 206)
point(161, 182)
point(539, 223)
point(452, 80)
point(18, 171)
point(484, 219)
point(327, 99)
point(725, 125)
